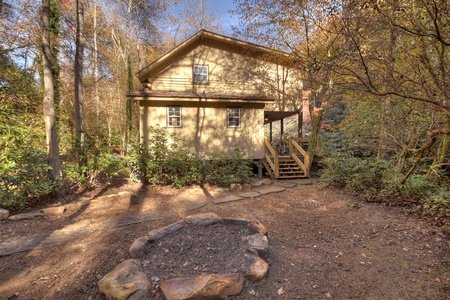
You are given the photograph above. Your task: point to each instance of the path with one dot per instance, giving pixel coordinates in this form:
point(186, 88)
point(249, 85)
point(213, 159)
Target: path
point(79, 230)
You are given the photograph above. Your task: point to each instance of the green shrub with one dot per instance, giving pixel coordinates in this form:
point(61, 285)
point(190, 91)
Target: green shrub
point(97, 162)
point(24, 168)
point(353, 173)
point(226, 169)
point(377, 181)
point(164, 162)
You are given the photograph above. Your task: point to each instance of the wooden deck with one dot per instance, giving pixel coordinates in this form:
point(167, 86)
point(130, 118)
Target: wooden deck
point(292, 164)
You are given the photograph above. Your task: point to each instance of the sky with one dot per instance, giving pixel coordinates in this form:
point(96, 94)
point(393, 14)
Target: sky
point(222, 7)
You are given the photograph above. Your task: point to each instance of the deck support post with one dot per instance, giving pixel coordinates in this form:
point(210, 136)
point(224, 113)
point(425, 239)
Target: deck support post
point(270, 136)
point(300, 124)
point(260, 168)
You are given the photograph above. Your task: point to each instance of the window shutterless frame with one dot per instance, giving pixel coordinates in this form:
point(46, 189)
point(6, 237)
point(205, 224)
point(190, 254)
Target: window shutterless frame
point(200, 73)
point(233, 117)
point(173, 116)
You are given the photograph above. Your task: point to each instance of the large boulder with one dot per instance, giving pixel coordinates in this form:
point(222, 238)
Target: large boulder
point(203, 219)
point(259, 243)
point(202, 287)
point(26, 216)
point(125, 282)
point(4, 214)
point(257, 270)
point(235, 187)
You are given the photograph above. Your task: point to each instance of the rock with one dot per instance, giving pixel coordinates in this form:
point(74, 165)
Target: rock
point(257, 270)
point(230, 198)
point(205, 286)
point(271, 189)
point(235, 187)
point(137, 248)
point(166, 230)
point(4, 214)
point(53, 211)
point(257, 227)
point(260, 243)
point(246, 187)
point(125, 193)
point(266, 181)
point(249, 195)
point(286, 184)
point(203, 219)
point(256, 182)
point(236, 221)
point(125, 282)
point(25, 216)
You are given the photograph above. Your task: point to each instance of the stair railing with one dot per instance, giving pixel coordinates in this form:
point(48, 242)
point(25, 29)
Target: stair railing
point(297, 153)
point(272, 157)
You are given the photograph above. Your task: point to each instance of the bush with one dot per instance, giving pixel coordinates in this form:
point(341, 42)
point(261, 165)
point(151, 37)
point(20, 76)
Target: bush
point(164, 162)
point(226, 169)
point(353, 173)
point(377, 181)
point(24, 168)
point(97, 162)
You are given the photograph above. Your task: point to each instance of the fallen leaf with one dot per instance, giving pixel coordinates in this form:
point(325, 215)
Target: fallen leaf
point(285, 279)
point(252, 292)
point(405, 249)
point(281, 291)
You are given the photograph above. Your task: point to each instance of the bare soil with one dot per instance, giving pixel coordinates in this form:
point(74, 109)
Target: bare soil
point(321, 246)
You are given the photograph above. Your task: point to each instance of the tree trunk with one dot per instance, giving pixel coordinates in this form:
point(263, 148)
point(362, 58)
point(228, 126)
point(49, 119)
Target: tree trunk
point(386, 104)
point(49, 95)
point(444, 147)
point(79, 97)
point(96, 94)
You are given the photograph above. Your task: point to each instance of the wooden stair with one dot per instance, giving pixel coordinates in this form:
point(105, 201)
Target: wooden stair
point(288, 169)
point(293, 166)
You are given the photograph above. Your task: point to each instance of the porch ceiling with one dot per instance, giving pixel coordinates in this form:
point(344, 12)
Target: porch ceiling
point(272, 116)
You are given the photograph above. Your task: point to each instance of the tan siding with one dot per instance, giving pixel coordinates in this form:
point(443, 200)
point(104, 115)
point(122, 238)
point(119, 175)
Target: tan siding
point(204, 128)
point(230, 72)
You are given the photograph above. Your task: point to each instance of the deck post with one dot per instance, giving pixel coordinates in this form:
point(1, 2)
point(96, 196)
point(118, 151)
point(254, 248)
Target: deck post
point(260, 168)
point(270, 136)
point(300, 124)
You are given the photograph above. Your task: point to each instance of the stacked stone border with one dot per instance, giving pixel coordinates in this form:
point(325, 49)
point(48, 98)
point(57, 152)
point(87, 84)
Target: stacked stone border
point(128, 281)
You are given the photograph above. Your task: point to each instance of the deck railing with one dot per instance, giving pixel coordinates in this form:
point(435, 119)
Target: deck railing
point(272, 157)
point(298, 150)
point(297, 153)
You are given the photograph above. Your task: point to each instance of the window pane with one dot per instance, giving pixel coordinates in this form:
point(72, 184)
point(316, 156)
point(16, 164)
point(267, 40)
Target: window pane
point(174, 116)
point(233, 117)
point(200, 73)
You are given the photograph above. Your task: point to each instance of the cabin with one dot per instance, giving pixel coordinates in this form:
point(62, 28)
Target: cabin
point(215, 92)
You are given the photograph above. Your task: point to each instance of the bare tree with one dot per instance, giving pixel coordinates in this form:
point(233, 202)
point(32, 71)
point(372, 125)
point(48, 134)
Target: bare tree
point(79, 52)
point(49, 94)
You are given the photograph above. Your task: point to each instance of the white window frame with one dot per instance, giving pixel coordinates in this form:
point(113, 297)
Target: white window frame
point(174, 114)
point(200, 73)
point(234, 114)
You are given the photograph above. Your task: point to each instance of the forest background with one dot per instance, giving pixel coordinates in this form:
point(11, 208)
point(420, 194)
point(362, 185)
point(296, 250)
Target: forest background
point(378, 72)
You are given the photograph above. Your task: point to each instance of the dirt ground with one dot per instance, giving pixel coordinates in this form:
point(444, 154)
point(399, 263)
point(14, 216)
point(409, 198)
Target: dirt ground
point(323, 244)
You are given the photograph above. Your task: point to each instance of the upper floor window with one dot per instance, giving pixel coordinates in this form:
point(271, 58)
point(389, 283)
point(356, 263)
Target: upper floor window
point(173, 116)
point(200, 73)
point(233, 117)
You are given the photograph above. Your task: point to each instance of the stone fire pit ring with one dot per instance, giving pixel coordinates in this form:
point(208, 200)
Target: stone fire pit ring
point(128, 280)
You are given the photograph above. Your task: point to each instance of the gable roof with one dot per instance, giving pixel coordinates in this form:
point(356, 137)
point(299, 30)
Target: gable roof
point(204, 36)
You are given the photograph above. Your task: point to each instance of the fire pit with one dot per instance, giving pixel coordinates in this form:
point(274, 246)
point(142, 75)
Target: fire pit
point(202, 257)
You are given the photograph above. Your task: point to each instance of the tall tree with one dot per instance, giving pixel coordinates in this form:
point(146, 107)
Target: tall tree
point(49, 94)
point(79, 53)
